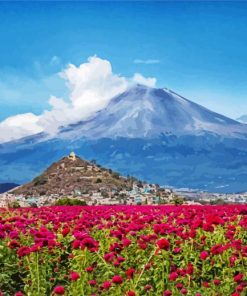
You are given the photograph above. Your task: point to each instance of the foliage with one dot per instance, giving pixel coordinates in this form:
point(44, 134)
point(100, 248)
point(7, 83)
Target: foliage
point(70, 202)
point(124, 250)
point(14, 204)
point(98, 180)
point(40, 180)
point(178, 200)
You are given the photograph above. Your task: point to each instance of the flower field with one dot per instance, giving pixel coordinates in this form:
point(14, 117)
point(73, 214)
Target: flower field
point(124, 250)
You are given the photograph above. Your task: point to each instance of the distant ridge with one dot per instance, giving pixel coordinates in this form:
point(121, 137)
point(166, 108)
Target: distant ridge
point(4, 187)
point(242, 119)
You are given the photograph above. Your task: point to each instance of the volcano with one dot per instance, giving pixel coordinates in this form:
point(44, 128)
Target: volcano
point(153, 134)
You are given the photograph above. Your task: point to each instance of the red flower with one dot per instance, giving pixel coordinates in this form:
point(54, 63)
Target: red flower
point(216, 282)
point(206, 284)
point(239, 288)
point(190, 269)
point(167, 293)
point(59, 290)
point(238, 277)
point(74, 276)
point(19, 293)
point(13, 244)
point(147, 287)
point(117, 279)
point(23, 251)
point(179, 286)
point(131, 293)
point(89, 269)
point(130, 273)
point(126, 242)
point(65, 231)
point(173, 276)
point(92, 282)
point(204, 255)
point(106, 285)
point(76, 244)
point(163, 244)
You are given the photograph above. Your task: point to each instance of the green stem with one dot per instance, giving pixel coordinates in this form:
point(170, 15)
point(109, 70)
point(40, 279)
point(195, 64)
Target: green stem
point(143, 268)
point(37, 270)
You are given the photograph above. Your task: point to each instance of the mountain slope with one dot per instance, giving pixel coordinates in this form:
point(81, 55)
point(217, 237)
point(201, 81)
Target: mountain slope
point(143, 112)
point(71, 174)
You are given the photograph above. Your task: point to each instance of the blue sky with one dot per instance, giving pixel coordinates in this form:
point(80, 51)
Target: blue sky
point(198, 49)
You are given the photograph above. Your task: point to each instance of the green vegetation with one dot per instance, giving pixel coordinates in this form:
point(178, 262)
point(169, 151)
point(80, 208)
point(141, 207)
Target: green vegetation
point(40, 180)
point(178, 201)
point(98, 180)
point(14, 204)
point(70, 202)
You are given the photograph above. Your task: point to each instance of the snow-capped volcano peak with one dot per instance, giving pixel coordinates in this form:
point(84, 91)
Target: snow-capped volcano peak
point(142, 111)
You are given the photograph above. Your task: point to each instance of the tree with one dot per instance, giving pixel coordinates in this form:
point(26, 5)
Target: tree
point(14, 204)
point(178, 201)
point(70, 202)
point(98, 180)
point(40, 180)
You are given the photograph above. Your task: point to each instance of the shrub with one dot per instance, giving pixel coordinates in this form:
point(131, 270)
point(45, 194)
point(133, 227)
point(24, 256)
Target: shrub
point(70, 202)
point(98, 180)
point(40, 180)
point(14, 204)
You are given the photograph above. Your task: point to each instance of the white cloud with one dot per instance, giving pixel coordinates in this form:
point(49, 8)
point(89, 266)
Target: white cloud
point(147, 62)
point(149, 81)
point(19, 126)
point(91, 87)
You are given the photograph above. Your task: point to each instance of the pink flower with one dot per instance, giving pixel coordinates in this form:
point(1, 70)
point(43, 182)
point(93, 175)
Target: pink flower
point(106, 285)
point(89, 269)
point(92, 282)
point(19, 293)
point(74, 276)
point(117, 279)
point(59, 290)
point(204, 255)
point(126, 242)
point(173, 276)
point(167, 293)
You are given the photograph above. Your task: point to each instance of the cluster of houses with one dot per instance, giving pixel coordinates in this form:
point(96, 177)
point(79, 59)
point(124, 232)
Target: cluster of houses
point(148, 194)
point(203, 197)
